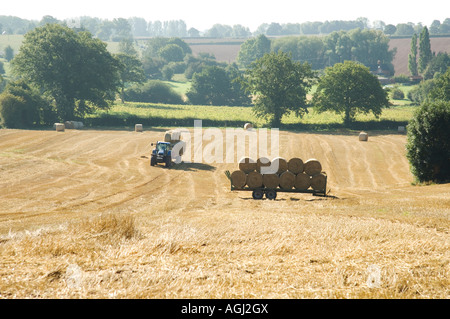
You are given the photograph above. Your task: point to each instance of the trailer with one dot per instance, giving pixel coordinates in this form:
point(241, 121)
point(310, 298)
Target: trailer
point(271, 193)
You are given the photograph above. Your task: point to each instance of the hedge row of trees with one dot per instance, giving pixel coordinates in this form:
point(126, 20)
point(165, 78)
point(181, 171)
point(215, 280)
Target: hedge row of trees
point(139, 27)
point(369, 47)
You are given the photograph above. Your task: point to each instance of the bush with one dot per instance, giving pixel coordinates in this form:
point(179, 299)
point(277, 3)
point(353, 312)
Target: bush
point(428, 146)
point(397, 94)
point(153, 91)
point(21, 106)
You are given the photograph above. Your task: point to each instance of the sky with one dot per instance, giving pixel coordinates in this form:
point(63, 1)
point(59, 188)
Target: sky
point(203, 14)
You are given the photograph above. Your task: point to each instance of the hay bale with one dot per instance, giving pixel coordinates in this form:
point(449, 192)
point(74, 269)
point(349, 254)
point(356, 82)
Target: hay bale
point(363, 136)
point(138, 128)
point(282, 164)
point(176, 135)
point(254, 180)
point(78, 125)
point(69, 125)
point(248, 126)
point(318, 182)
point(312, 167)
point(302, 181)
point(168, 136)
point(287, 180)
point(247, 165)
point(238, 179)
point(295, 165)
point(59, 127)
point(262, 162)
point(271, 180)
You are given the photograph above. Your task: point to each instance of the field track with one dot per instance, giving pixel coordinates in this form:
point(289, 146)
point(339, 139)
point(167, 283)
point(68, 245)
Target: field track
point(47, 177)
point(375, 236)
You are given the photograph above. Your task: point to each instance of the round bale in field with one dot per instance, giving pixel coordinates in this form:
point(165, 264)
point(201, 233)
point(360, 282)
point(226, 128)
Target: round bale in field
point(238, 179)
point(254, 180)
point(138, 128)
point(302, 181)
point(295, 165)
point(312, 167)
point(287, 180)
point(247, 165)
point(271, 180)
point(318, 182)
point(281, 163)
point(248, 126)
point(262, 162)
point(60, 127)
point(363, 136)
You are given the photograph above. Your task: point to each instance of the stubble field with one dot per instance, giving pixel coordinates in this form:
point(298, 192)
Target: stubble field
point(83, 215)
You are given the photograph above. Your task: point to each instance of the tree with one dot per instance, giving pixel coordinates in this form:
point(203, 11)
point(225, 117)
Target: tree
point(437, 66)
point(253, 49)
point(350, 88)
point(130, 70)
point(278, 85)
point(22, 106)
point(75, 69)
point(210, 87)
point(441, 89)
point(412, 57)
point(9, 53)
point(428, 142)
point(425, 54)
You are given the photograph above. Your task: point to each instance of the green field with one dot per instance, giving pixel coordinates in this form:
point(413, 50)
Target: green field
point(164, 115)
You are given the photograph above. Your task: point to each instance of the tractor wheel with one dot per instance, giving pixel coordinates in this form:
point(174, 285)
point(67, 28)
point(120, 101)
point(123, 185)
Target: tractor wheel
point(153, 161)
point(271, 194)
point(257, 194)
point(168, 161)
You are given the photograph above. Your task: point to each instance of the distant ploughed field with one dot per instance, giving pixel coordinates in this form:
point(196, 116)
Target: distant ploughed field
point(227, 50)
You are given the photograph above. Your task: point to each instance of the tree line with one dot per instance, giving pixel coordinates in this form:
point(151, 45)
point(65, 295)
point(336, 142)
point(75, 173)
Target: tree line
point(115, 29)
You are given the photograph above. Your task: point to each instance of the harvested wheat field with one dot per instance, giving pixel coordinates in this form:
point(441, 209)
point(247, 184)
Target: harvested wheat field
point(84, 215)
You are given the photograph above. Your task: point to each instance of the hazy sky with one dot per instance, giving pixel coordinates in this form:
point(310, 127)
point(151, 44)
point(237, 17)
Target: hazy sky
point(202, 14)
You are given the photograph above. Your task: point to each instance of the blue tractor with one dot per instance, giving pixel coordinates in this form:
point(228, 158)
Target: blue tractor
point(162, 154)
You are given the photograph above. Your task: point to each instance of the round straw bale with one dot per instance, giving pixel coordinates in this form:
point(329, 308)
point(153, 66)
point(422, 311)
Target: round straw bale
point(78, 125)
point(168, 136)
point(271, 180)
point(175, 135)
point(312, 167)
point(302, 181)
point(238, 179)
point(287, 180)
point(262, 162)
point(138, 128)
point(69, 125)
point(282, 164)
point(363, 136)
point(318, 182)
point(248, 126)
point(247, 165)
point(295, 165)
point(59, 127)
point(254, 180)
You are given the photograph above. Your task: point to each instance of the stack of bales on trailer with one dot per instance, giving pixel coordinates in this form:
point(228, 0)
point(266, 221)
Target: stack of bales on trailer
point(291, 174)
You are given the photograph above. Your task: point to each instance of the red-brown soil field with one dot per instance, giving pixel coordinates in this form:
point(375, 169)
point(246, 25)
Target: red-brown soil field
point(228, 52)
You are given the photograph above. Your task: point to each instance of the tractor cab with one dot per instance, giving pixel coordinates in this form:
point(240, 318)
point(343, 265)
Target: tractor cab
point(162, 153)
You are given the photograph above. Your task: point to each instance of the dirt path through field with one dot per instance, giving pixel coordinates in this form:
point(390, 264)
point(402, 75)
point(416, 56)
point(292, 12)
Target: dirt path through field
point(48, 177)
